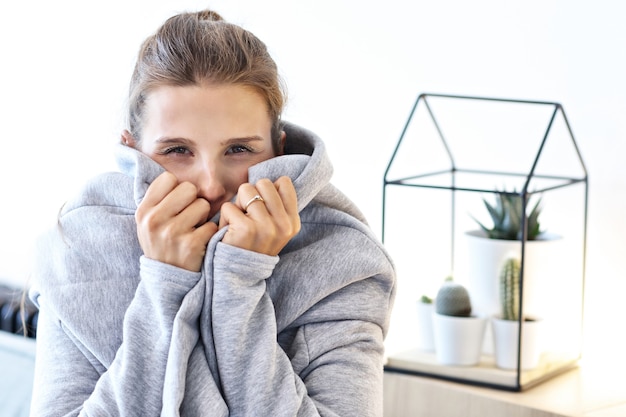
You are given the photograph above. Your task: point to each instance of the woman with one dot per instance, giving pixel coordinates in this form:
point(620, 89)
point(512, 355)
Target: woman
point(219, 273)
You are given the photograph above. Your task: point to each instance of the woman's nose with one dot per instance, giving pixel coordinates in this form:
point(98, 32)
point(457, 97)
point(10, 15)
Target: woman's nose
point(210, 185)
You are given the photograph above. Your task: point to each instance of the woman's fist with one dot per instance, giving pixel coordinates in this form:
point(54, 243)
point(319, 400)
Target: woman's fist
point(172, 223)
point(266, 225)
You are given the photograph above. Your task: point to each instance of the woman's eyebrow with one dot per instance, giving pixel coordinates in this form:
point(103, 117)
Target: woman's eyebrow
point(178, 140)
point(168, 140)
point(253, 138)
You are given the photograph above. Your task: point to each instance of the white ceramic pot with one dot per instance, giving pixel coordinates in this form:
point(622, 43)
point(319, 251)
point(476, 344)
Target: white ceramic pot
point(506, 347)
point(425, 335)
point(485, 259)
point(458, 340)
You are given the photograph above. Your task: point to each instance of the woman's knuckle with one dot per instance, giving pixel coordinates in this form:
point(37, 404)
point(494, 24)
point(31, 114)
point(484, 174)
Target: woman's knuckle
point(188, 187)
point(264, 182)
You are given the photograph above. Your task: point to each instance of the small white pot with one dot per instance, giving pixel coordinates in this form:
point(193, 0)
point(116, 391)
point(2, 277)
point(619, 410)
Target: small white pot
point(458, 340)
point(505, 336)
point(425, 337)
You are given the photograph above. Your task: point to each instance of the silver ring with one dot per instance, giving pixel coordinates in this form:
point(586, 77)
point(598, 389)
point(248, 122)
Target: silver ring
point(252, 200)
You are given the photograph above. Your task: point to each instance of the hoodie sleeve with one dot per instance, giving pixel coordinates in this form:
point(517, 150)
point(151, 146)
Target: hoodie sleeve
point(70, 380)
point(339, 363)
point(107, 317)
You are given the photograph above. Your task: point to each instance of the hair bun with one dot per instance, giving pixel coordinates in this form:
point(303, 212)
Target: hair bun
point(209, 15)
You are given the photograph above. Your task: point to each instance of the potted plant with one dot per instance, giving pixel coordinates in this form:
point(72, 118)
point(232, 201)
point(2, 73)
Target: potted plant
point(490, 247)
point(506, 329)
point(425, 309)
point(507, 218)
point(458, 334)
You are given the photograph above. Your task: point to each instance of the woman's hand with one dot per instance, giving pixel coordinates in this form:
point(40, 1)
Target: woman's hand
point(266, 225)
point(172, 223)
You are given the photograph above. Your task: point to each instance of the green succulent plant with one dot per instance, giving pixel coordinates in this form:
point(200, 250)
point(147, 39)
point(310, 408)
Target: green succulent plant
point(453, 300)
point(506, 216)
point(426, 299)
point(509, 289)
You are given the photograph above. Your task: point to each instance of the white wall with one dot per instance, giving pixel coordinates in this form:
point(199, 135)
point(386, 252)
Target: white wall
point(353, 69)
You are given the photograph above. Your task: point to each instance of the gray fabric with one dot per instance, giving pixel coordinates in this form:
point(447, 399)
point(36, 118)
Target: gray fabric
point(250, 335)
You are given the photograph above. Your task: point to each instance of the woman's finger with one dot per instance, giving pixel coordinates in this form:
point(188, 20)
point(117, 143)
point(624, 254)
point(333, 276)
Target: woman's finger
point(178, 199)
point(160, 187)
point(286, 190)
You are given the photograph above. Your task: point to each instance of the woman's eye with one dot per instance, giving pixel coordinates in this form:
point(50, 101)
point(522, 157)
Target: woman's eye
point(239, 149)
point(176, 150)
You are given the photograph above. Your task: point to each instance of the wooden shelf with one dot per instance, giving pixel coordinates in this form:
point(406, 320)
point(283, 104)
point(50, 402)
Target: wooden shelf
point(484, 373)
point(591, 389)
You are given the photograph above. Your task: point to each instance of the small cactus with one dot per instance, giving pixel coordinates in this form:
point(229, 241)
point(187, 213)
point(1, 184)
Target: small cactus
point(453, 300)
point(509, 289)
point(426, 299)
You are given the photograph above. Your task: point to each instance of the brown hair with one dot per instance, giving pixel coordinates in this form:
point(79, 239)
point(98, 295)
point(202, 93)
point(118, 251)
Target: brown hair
point(192, 48)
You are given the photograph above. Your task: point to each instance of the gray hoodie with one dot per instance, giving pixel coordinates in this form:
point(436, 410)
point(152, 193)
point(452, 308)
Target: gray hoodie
point(249, 335)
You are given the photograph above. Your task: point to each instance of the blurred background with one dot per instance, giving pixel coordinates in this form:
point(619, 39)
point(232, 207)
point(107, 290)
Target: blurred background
point(353, 71)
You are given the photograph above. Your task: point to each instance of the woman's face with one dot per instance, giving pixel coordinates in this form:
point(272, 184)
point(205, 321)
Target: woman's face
point(208, 135)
